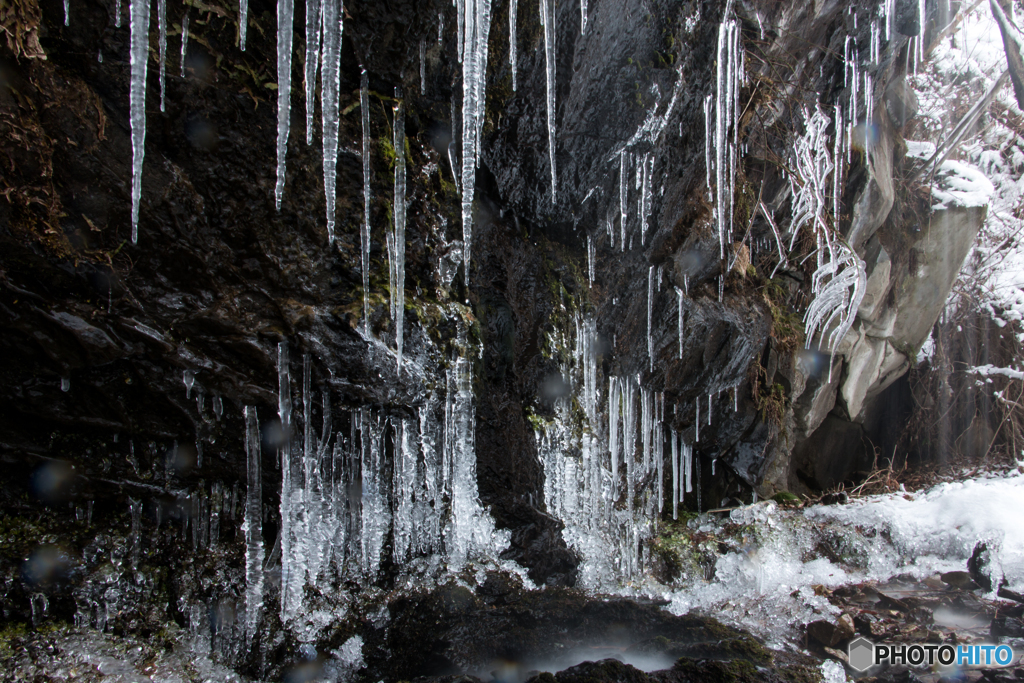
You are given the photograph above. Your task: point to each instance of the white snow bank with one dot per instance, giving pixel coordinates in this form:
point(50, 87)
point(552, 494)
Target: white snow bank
point(768, 585)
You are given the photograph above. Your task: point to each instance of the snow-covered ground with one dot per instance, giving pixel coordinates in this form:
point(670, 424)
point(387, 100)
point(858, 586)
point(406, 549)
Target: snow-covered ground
point(766, 581)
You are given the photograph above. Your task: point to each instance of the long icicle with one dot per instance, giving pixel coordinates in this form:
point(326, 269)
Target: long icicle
point(396, 241)
point(285, 18)
point(161, 21)
point(314, 11)
point(333, 13)
point(476, 25)
point(252, 526)
point(547, 17)
point(243, 22)
point(139, 12)
point(184, 42)
point(513, 11)
point(364, 106)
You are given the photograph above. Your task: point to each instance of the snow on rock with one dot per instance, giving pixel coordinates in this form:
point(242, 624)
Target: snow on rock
point(960, 184)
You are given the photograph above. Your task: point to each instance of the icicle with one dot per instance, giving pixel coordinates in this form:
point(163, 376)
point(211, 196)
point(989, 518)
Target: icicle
point(252, 526)
point(188, 378)
point(67, 12)
point(291, 576)
point(461, 13)
point(285, 17)
point(218, 407)
point(922, 19)
point(687, 465)
point(513, 11)
point(679, 295)
point(396, 239)
point(650, 309)
point(700, 510)
point(364, 106)
point(161, 20)
point(315, 14)
point(736, 398)
point(184, 42)
point(583, 16)
point(721, 287)
point(243, 22)
point(696, 424)
point(475, 21)
point(623, 197)
point(686, 284)
point(709, 409)
point(707, 142)
point(135, 506)
point(645, 193)
point(613, 431)
point(675, 475)
point(590, 260)
point(547, 17)
point(333, 16)
point(117, 13)
point(713, 461)
point(440, 28)
point(139, 11)
point(65, 384)
point(423, 66)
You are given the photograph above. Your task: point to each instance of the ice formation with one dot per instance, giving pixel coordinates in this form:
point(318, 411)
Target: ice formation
point(285, 18)
point(396, 237)
point(474, 27)
point(411, 479)
point(726, 106)
point(316, 13)
point(139, 51)
point(333, 14)
point(604, 482)
point(583, 16)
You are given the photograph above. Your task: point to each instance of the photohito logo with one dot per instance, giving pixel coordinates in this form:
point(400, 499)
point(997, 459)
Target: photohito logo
point(863, 654)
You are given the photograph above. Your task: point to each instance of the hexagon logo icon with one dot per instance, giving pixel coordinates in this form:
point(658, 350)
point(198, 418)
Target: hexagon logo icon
point(861, 652)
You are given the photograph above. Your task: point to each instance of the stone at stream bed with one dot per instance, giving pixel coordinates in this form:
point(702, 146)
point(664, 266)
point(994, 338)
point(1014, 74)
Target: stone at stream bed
point(507, 632)
point(958, 579)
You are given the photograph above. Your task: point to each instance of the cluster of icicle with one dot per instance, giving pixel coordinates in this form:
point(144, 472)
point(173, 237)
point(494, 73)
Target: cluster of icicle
point(343, 496)
point(604, 481)
point(474, 25)
point(721, 117)
point(818, 170)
